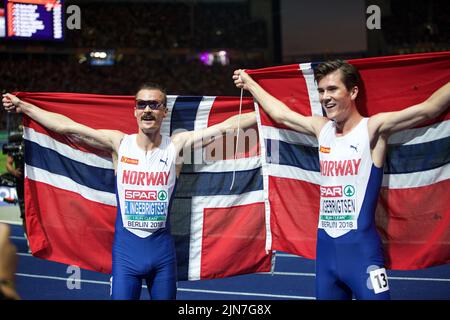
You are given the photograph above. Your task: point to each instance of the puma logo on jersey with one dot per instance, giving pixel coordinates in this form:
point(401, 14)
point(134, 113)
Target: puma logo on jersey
point(354, 147)
point(163, 161)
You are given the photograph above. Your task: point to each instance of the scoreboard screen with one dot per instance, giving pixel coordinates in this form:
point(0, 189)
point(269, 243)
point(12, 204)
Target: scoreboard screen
point(33, 19)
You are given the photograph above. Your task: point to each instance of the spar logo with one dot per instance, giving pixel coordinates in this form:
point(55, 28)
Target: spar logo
point(337, 191)
point(349, 190)
point(146, 195)
point(162, 195)
point(330, 191)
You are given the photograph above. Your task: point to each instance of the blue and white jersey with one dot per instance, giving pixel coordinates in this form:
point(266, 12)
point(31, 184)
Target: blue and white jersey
point(346, 167)
point(145, 183)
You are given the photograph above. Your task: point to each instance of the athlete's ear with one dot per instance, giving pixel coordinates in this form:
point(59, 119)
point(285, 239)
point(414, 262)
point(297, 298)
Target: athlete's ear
point(354, 93)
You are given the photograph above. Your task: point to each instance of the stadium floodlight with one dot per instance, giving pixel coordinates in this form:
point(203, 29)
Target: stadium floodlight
point(101, 58)
point(209, 58)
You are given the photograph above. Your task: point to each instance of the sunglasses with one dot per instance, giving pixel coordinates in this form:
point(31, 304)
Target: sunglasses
point(153, 104)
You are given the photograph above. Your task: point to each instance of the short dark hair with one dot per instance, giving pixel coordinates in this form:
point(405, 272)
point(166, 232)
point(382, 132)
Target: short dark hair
point(154, 86)
point(350, 75)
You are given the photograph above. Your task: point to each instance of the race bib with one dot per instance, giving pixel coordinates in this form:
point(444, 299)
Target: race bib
point(379, 280)
point(338, 209)
point(145, 209)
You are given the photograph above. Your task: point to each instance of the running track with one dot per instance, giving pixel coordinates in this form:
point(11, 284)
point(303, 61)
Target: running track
point(293, 278)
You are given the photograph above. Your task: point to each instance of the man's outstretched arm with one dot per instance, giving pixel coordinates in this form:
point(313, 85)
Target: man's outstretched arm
point(199, 138)
point(276, 109)
point(382, 125)
point(391, 122)
point(104, 139)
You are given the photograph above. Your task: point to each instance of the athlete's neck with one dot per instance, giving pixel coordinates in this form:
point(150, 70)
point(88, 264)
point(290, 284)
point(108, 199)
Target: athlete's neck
point(346, 125)
point(149, 141)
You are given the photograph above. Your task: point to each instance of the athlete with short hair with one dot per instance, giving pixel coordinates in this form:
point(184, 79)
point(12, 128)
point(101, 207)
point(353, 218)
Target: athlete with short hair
point(352, 152)
point(147, 165)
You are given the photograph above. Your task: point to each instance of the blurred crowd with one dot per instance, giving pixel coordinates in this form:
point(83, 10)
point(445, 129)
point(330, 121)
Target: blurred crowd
point(157, 26)
point(65, 73)
point(159, 42)
point(416, 26)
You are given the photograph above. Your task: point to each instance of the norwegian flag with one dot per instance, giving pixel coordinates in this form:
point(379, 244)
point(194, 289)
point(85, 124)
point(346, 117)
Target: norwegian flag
point(413, 213)
point(70, 188)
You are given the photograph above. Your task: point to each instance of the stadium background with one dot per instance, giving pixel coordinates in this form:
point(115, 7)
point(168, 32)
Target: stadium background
point(192, 47)
point(169, 42)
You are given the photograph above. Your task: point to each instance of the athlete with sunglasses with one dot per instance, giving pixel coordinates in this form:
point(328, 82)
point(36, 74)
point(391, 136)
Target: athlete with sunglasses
point(147, 165)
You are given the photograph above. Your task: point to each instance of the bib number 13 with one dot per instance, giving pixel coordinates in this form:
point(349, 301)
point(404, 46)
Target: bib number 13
point(379, 280)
